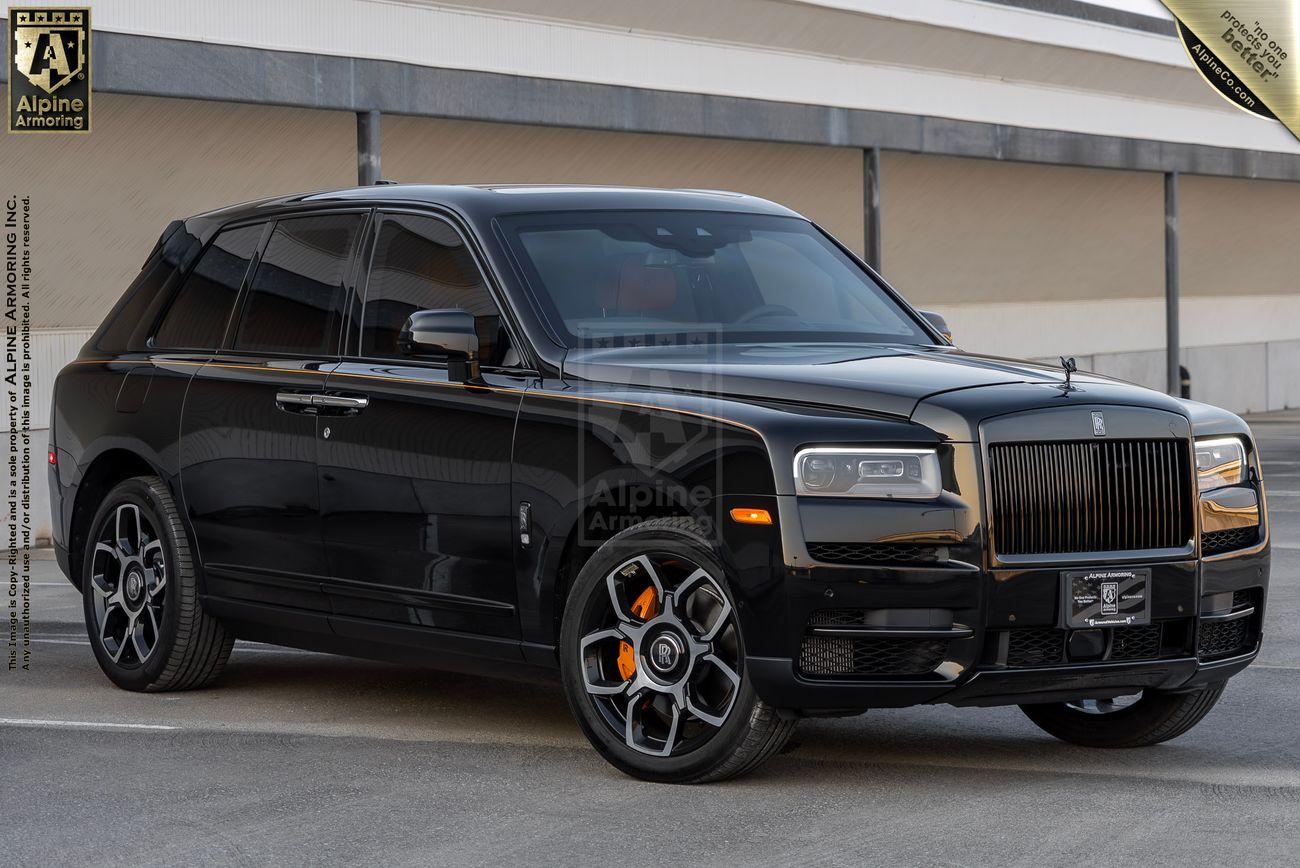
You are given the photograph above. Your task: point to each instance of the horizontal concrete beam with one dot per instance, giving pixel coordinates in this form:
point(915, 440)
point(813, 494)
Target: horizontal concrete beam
point(1098, 14)
point(126, 63)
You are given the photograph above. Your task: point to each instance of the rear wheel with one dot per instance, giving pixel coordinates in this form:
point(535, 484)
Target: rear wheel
point(654, 664)
point(1143, 719)
point(146, 625)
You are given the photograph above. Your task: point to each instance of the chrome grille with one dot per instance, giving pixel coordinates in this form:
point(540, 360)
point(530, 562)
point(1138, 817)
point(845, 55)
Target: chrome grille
point(1090, 496)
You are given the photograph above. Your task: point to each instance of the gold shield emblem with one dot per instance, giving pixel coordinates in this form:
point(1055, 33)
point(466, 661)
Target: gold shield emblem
point(50, 47)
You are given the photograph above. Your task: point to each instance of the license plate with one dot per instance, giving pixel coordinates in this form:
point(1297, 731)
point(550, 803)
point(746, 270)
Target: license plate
point(1106, 598)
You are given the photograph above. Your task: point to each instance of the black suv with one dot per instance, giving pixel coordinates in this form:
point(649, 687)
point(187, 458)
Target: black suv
point(682, 448)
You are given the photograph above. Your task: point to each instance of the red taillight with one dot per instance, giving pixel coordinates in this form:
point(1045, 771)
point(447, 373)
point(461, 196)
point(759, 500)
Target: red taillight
point(53, 458)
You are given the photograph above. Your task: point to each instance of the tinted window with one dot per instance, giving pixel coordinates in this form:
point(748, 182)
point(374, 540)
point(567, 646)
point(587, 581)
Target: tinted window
point(665, 277)
point(293, 302)
point(420, 263)
point(126, 327)
point(197, 317)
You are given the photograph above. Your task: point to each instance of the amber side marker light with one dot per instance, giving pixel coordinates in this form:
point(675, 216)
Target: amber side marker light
point(744, 515)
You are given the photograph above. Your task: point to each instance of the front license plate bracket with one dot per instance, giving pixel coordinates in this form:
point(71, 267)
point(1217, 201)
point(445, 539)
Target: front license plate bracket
point(1111, 597)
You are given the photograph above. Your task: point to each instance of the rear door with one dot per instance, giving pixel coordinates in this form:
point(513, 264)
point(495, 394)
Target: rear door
point(415, 487)
point(249, 431)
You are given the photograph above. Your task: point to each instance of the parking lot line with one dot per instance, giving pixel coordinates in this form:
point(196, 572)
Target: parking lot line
point(241, 647)
point(81, 724)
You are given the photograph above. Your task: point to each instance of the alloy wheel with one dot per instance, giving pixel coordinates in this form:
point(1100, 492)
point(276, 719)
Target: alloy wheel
point(128, 578)
point(660, 654)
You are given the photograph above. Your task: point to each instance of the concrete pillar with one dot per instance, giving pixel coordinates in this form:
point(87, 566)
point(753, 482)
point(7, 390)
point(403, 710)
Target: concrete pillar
point(368, 148)
point(1174, 378)
point(871, 206)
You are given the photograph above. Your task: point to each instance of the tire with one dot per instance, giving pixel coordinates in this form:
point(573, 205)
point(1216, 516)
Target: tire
point(143, 616)
point(1154, 718)
point(723, 730)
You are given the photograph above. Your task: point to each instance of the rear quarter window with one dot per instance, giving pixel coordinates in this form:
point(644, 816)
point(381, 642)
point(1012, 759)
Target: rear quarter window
point(125, 329)
point(198, 315)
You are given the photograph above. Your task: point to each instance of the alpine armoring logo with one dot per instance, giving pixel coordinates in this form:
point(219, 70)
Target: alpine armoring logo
point(49, 70)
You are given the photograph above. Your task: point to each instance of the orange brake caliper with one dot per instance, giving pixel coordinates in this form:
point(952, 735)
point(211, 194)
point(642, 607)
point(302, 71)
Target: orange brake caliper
point(644, 607)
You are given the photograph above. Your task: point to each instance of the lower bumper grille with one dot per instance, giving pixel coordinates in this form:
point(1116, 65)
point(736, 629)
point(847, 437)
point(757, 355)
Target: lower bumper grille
point(1223, 638)
point(1218, 541)
point(875, 553)
point(835, 655)
point(1136, 643)
point(1033, 646)
point(1234, 635)
point(1046, 646)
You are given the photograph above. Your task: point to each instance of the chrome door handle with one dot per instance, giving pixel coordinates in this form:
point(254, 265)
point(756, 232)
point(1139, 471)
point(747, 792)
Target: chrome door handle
point(294, 399)
point(341, 402)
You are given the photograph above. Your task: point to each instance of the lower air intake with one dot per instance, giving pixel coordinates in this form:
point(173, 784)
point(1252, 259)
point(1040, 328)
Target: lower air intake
point(835, 655)
point(875, 553)
point(1224, 638)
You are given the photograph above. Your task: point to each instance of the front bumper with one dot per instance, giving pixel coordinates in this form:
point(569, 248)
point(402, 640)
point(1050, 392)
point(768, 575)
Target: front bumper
point(984, 609)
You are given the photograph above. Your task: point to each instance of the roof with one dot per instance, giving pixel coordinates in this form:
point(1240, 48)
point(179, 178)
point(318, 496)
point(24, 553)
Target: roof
point(484, 202)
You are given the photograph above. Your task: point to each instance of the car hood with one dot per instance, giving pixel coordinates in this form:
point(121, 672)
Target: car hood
point(889, 380)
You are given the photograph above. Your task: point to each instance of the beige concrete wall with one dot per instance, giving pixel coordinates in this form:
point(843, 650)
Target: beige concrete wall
point(963, 230)
point(1239, 236)
point(99, 201)
point(823, 183)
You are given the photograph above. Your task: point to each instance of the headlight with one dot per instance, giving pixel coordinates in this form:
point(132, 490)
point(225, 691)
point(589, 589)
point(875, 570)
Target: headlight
point(1220, 462)
point(911, 473)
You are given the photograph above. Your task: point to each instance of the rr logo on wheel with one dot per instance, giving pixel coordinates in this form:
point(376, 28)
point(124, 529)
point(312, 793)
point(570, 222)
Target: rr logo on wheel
point(664, 655)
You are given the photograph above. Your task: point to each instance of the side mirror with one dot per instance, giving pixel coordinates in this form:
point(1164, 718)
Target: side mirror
point(939, 324)
point(446, 335)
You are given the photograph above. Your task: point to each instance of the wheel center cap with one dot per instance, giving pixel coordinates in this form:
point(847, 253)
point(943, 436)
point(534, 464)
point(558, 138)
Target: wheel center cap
point(134, 586)
point(664, 653)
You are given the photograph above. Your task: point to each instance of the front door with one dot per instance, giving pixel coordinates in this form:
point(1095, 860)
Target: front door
point(415, 475)
point(249, 431)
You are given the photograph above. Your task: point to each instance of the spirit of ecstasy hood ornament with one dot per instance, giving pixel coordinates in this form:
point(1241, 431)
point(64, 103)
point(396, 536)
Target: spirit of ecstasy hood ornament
point(1070, 367)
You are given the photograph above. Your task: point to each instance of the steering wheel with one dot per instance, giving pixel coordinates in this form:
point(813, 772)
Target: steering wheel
point(763, 311)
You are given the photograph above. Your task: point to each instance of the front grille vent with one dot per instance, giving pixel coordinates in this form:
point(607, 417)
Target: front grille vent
point(835, 655)
point(1035, 646)
point(1218, 541)
point(1046, 646)
point(865, 655)
point(1136, 643)
point(1090, 496)
point(874, 553)
point(838, 618)
point(1224, 638)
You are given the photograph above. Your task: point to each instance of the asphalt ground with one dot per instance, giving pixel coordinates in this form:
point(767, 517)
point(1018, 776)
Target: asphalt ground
point(308, 759)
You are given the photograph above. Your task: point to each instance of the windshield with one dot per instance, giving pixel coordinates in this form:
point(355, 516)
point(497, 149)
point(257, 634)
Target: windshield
point(616, 278)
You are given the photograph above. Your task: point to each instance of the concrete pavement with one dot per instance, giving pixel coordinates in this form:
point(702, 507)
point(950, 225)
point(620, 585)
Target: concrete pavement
point(299, 758)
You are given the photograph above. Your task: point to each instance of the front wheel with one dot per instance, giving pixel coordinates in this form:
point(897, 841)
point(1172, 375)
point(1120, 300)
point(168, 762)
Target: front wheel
point(653, 661)
point(1133, 721)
